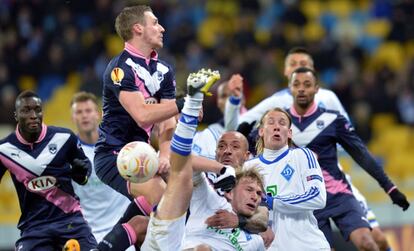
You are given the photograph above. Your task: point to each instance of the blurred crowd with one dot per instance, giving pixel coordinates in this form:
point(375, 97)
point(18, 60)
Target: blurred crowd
point(363, 50)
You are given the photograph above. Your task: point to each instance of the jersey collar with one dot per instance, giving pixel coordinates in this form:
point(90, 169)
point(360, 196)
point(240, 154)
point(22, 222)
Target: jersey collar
point(312, 109)
point(136, 53)
point(41, 136)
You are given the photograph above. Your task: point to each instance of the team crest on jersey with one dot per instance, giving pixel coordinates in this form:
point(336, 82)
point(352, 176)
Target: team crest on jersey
point(117, 75)
point(160, 76)
point(52, 148)
point(287, 172)
point(320, 124)
point(196, 149)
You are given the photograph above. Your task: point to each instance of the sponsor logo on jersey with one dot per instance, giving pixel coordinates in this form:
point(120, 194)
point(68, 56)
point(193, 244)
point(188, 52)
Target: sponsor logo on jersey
point(287, 172)
point(16, 154)
point(151, 100)
point(52, 148)
point(117, 75)
point(272, 190)
point(41, 183)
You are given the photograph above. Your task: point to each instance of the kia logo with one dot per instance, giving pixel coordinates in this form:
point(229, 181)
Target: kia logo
point(41, 183)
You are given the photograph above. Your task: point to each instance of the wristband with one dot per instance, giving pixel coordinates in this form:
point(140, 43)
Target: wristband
point(242, 221)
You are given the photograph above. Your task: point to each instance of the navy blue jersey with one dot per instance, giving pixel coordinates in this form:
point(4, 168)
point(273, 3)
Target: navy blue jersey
point(320, 130)
point(130, 71)
point(41, 173)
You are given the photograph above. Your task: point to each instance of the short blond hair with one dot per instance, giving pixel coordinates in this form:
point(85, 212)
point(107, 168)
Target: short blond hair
point(83, 97)
point(127, 18)
point(251, 173)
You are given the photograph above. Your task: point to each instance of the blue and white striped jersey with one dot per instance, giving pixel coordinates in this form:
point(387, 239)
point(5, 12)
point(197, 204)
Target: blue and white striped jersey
point(294, 180)
point(41, 173)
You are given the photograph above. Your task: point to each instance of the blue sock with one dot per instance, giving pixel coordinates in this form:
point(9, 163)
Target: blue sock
point(182, 140)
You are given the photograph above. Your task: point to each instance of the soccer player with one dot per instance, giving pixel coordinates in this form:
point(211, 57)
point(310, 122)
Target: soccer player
point(167, 223)
point(243, 199)
point(101, 205)
point(138, 91)
point(320, 130)
point(300, 57)
point(293, 180)
point(43, 160)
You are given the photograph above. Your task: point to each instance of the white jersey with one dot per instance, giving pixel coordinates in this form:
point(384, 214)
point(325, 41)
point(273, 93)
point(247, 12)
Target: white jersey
point(294, 179)
point(204, 203)
point(205, 142)
point(324, 98)
point(101, 205)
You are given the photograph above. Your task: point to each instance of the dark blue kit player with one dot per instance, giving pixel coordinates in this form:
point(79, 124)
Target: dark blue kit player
point(42, 161)
point(320, 130)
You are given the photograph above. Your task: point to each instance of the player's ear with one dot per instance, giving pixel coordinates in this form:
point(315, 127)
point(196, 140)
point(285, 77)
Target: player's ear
point(137, 28)
point(15, 116)
point(229, 195)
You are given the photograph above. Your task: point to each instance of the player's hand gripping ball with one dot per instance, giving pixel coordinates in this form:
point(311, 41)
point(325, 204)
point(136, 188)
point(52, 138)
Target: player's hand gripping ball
point(137, 162)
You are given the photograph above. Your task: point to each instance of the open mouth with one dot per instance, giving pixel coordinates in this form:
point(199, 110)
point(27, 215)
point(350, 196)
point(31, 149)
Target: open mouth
point(251, 206)
point(227, 161)
point(33, 124)
point(276, 137)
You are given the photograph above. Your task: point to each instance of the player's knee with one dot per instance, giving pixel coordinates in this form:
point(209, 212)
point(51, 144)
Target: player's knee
point(380, 239)
point(139, 224)
point(367, 243)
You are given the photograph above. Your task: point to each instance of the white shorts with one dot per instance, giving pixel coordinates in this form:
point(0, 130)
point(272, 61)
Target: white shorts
point(164, 235)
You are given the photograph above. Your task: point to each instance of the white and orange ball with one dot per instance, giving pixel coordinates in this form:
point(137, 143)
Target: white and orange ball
point(137, 162)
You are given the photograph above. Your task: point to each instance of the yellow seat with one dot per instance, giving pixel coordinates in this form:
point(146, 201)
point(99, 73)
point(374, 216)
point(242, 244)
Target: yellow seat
point(390, 54)
point(57, 109)
point(311, 8)
point(341, 8)
point(313, 31)
point(377, 28)
point(381, 122)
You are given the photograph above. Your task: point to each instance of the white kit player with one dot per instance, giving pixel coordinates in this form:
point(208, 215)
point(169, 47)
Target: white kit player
point(101, 205)
point(294, 184)
point(243, 199)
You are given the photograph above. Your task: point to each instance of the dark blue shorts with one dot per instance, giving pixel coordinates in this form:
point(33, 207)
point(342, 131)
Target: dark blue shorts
point(52, 236)
point(347, 215)
point(106, 170)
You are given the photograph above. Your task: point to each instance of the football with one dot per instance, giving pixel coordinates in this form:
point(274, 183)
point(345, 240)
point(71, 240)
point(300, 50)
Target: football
point(137, 162)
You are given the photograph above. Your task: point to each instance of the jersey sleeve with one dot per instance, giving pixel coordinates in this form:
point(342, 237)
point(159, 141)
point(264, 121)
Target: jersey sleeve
point(335, 104)
point(311, 179)
point(231, 113)
point(168, 86)
point(204, 143)
point(354, 146)
point(204, 197)
point(282, 99)
point(121, 78)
